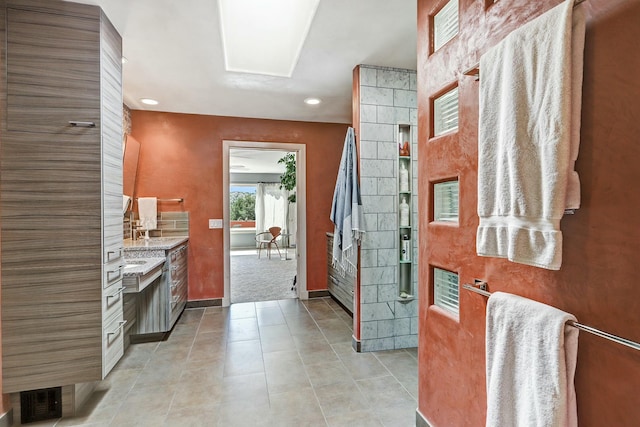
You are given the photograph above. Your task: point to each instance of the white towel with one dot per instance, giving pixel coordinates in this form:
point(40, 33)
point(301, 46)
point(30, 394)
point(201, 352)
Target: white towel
point(148, 212)
point(346, 210)
point(531, 362)
point(528, 138)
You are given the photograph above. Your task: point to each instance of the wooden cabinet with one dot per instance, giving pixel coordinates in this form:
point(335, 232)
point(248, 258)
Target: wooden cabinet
point(339, 286)
point(159, 304)
point(178, 279)
point(61, 194)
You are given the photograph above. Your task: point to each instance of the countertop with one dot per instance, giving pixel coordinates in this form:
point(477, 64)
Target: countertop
point(141, 266)
point(155, 243)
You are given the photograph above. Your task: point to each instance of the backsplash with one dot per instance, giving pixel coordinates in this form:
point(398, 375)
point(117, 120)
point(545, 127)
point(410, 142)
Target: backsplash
point(170, 224)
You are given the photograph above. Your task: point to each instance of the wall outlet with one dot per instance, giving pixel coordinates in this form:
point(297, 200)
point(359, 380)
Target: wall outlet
point(215, 223)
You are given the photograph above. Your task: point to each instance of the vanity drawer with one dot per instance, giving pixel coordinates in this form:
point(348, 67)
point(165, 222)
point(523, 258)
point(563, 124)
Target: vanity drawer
point(112, 343)
point(112, 302)
point(112, 273)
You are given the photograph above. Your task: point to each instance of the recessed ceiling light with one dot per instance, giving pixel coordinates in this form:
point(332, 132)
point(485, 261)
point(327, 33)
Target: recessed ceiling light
point(264, 37)
point(312, 101)
point(149, 101)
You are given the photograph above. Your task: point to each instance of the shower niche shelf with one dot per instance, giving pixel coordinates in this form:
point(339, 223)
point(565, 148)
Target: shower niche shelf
point(404, 199)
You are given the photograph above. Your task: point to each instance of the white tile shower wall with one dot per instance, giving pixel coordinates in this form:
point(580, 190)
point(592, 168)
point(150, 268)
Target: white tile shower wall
point(388, 96)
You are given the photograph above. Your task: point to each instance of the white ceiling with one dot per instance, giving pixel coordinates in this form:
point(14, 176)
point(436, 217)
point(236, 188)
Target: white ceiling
point(247, 160)
point(174, 54)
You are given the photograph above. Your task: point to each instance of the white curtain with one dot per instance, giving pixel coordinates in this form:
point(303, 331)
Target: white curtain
point(271, 207)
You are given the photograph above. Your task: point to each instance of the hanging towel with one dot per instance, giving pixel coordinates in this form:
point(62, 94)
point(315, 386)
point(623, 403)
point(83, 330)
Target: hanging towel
point(528, 136)
point(346, 210)
point(531, 362)
point(148, 212)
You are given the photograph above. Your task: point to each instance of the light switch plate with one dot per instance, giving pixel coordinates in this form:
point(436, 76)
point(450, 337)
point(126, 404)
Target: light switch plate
point(215, 223)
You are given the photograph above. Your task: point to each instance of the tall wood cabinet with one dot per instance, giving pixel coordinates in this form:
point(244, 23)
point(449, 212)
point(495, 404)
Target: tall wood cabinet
point(60, 194)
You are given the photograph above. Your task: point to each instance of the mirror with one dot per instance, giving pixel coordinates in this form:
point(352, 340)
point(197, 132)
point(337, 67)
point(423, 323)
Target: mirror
point(130, 166)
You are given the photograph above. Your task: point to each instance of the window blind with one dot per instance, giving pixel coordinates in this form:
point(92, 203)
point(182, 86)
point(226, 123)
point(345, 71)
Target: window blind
point(445, 112)
point(445, 24)
point(445, 284)
point(445, 201)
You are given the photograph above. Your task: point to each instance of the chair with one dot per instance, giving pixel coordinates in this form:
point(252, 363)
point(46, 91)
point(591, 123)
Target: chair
point(268, 238)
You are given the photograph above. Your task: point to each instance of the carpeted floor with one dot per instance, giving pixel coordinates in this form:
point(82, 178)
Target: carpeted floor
point(263, 279)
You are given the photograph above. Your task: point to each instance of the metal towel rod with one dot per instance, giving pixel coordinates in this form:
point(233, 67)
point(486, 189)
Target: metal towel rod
point(177, 200)
point(634, 345)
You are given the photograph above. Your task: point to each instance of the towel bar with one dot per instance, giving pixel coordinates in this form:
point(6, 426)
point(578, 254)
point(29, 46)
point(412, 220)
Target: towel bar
point(180, 200)
point(632, 344)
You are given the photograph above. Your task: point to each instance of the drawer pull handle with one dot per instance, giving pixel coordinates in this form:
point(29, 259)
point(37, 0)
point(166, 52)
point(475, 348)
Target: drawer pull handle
point(118, 272)
point(118, 292)
point(80, 124)
point(119, 252)
point(118, 328)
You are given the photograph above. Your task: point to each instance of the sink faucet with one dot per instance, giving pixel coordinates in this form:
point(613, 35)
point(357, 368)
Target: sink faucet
point(135, 229)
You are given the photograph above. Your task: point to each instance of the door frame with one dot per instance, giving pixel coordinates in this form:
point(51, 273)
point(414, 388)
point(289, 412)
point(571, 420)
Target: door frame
point(301, 210)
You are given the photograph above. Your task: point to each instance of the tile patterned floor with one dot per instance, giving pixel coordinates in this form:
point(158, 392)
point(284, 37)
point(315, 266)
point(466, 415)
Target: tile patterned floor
point(275, 363)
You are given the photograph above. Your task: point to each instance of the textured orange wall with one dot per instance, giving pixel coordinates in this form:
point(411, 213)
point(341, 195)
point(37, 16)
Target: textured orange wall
point(181, 156)
point(598, 279)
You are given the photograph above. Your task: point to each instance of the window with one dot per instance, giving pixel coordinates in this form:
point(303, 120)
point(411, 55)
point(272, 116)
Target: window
point(445, 24)
point(445, 201)
point(445, 290)
point(445, 112)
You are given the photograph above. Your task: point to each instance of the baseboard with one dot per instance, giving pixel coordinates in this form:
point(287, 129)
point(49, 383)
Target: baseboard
point(205, 303)
point(153, 337)
point(6, 419)
point(318, 294)
point(356, 344)
point(421, 421)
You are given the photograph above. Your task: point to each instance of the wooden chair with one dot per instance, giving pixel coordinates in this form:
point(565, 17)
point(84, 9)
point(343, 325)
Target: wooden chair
point(268, 238)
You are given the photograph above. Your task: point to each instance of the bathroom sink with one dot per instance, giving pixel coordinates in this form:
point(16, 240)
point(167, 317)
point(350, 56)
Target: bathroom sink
point(135, 263)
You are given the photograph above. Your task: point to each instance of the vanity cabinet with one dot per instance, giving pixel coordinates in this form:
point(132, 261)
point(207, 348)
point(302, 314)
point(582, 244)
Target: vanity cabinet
point(159, 304)
point(61, 194)
point(341, 287)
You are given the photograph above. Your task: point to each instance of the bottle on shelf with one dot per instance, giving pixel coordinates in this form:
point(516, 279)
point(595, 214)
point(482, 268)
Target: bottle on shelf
point(404, 213)
point(405, 253)
point(404, 178)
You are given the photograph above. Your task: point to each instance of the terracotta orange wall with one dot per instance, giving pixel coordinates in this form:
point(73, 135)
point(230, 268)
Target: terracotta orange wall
point(181, 156)
point(598, 281)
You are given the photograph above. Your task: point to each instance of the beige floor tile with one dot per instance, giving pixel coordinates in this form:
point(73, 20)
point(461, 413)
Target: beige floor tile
point(245, 388)
point(325, 373)
point(270, 316)
point(205, 416)
point(354, 419)
point(243, 329)
point(275, 363)
point(243, 357)
point(341, 398)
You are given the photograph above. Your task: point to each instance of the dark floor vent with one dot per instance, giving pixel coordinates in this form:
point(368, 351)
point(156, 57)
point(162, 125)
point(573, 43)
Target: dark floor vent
point(38, 405)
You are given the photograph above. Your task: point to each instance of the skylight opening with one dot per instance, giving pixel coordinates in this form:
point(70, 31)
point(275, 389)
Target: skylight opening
point(264, 37)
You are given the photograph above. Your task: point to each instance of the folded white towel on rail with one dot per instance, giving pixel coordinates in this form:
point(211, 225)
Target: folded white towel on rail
point(528, 138)
point(148, 212)
point(531, 362)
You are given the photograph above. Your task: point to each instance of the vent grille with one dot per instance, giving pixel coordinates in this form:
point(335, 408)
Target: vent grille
point(39, 405)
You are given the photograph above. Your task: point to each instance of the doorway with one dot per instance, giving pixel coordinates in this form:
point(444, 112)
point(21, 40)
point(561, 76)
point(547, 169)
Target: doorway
point(295, 256)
